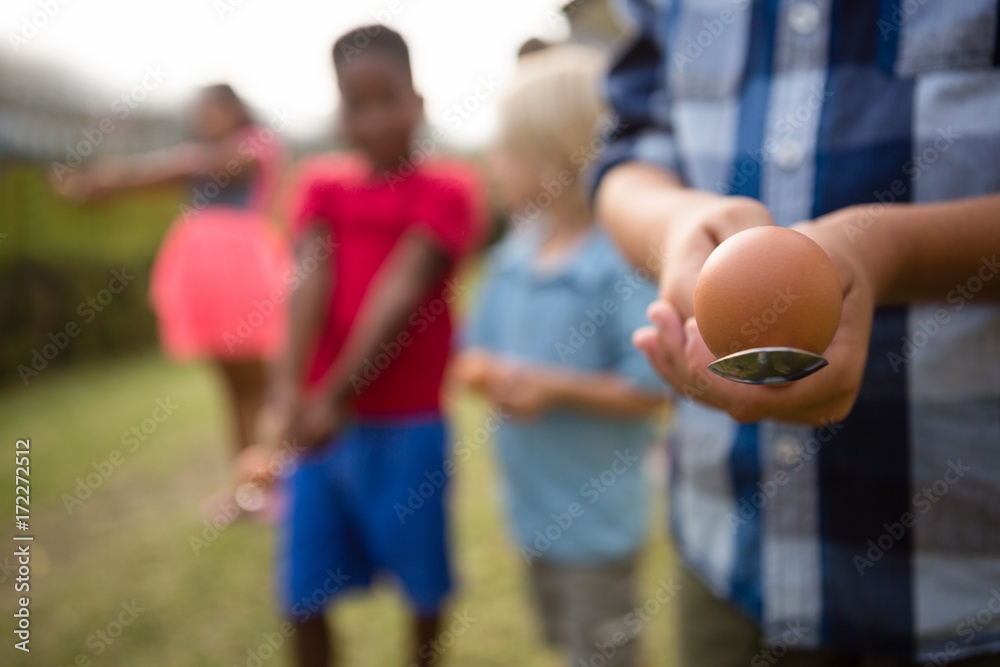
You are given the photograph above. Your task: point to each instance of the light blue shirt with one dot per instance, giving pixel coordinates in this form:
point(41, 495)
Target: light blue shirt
point(575, 485)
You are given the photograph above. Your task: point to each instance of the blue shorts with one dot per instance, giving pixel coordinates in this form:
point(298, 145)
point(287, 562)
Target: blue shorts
point(371, 501)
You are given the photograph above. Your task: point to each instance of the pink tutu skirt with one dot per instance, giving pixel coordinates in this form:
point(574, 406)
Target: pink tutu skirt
point(217, 286)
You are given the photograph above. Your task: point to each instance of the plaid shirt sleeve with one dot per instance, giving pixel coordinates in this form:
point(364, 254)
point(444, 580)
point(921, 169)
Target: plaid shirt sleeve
point(637, 93)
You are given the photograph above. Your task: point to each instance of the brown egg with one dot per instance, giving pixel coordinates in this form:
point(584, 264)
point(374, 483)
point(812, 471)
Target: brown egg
point(768, 287)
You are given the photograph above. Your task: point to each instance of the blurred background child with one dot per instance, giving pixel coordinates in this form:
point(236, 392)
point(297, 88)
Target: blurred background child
point(549, 344)
point(216, 284)
point(359, 385)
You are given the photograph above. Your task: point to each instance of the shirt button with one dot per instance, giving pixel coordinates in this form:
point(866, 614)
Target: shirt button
point(803, 17)
point(787, 450)
point(789, 155)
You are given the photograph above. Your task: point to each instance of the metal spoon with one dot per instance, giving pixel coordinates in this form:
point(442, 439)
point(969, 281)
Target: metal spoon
point(768, 365)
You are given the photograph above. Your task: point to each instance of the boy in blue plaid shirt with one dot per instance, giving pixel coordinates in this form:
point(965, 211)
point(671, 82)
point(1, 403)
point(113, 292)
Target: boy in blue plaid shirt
point(850, 518)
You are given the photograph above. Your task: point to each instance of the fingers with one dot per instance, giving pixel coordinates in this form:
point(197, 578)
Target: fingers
point(314, 423)
point(253, 465)
point(677, 351)
point(690, 243)
point(663, 343)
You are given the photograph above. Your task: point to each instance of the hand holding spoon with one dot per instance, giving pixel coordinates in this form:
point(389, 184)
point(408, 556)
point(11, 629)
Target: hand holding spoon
point(768, 303)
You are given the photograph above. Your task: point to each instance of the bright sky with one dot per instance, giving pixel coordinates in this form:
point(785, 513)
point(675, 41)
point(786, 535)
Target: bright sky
point(277, 52)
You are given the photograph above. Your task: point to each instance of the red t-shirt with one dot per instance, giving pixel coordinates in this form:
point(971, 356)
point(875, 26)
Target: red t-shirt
point(367, 217)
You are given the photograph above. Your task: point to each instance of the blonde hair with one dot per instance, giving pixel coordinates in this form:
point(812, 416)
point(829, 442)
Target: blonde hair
point(553, 106)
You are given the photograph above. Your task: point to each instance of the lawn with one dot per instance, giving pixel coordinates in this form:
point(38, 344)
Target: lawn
point(121, 552)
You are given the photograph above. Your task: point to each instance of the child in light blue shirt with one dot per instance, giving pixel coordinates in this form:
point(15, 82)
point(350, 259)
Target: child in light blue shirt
point(550, 344)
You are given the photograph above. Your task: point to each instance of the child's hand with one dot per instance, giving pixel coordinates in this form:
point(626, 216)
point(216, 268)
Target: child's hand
point(264, 461)
point(676, 350)
point(524, 392)
point(77, 186)
point(474, 369)
point(316, 421)
point(257, 465)
point(705, 222)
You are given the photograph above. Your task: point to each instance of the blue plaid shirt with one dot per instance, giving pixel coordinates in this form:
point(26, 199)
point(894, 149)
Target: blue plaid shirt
point(881, 535)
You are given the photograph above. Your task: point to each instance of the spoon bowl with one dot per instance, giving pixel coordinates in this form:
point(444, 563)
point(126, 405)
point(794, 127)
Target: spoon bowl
point(768, 365)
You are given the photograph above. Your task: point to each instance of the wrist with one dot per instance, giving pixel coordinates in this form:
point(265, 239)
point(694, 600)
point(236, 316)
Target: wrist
point(337, 396)
point(556, 388)
point(839, 235)
point(870, 233)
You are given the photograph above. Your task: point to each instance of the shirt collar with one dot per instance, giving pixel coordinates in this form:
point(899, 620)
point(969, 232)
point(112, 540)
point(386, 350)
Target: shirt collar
point(582, 269)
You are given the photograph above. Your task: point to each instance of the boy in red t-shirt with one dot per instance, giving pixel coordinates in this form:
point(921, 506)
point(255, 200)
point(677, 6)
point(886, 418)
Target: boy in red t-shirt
point(376, 243)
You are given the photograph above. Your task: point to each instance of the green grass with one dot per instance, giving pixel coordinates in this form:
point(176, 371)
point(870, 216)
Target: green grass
point(130, 539)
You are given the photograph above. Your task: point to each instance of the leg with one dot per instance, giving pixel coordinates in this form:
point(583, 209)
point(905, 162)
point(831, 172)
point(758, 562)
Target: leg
point(600, 614)
point(714, 633)
point(425, 631)
point(413, 544)
point(245, 381)
point(711, 632)
point(549, 596)
point(320, 555)
point(313, 643)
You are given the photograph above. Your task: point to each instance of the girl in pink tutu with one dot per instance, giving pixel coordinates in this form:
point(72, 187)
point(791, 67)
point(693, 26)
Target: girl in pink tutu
point(217, 282)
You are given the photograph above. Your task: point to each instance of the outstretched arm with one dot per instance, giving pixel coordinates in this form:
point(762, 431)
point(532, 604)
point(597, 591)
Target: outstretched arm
point(649, 213)
point(910, 254)
point(920, 252)
point(116, 174)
